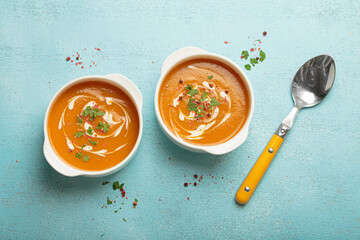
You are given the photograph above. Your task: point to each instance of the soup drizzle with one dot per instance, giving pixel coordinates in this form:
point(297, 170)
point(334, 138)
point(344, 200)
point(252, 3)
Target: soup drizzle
point(98, 132)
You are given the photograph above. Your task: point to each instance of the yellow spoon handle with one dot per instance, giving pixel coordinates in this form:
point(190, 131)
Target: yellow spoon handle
point(258, 170)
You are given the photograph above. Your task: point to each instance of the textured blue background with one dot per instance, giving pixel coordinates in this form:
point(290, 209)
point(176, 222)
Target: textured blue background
point(311, 190)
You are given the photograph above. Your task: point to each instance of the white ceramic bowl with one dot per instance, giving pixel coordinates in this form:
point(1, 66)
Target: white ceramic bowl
point(116, 80)
point(189, 53)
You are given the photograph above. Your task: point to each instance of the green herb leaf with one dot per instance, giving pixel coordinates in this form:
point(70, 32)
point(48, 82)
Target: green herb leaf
point(83, 147)
point(86, 111)
point(124, 220)
point(79, 120)
point(192, 92)
point(92, 142)
point(210, 77)
point(86, 158)
point(100, 125)
point(79, 134)
point(247, 67)
point(189, 87)
point(90, 131)
point(214, 102)
point(100, 113)
point(245, 54)
point(204, 96)
point(262, 56)
point(103, 126)
point(192, 106)
point(136, 200)
point(116, 185)
point(106, 182)
point(78, 155)
point(108, 201)
point(254, 61)
point(106, 127)
point(97, 112)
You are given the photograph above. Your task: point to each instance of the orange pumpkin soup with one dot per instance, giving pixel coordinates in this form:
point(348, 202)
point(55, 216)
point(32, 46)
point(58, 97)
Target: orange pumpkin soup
point(203, 102)
point(93, 126)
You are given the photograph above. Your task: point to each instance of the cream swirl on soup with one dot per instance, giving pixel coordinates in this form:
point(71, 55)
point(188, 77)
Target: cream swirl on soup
point(93, 127)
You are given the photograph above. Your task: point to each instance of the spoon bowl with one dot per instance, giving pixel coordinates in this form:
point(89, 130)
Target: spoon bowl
point(313, 81)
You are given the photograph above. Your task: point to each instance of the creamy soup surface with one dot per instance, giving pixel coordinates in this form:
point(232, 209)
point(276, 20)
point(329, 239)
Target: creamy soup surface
point(203, 102)
point(93, 126)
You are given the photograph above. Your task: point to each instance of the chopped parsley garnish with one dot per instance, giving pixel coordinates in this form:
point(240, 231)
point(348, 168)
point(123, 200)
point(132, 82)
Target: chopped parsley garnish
point(116, 185)
point(136, 200)
point(87, 111)
point(79, 120)
point(86, 158)
point(214, 102)
point(93, 113)
point(79, 134)
point(188, 88)
point(98, 112)
point(92, 142)
point(124, 220)
point(100, 125)
point(203, 97)
point(106, 127)
point(262, 56)
point(210, 77)
point(254, 61)
point(106, 182)
point(108, 201)
point(78, 155)
point(90, 131)
point(247, 67)
point(192, 106)
point(192, 92)
point(103, 126)
point(245, 54)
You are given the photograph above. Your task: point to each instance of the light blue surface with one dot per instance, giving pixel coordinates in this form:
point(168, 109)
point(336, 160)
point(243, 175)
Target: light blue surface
point(311, 190)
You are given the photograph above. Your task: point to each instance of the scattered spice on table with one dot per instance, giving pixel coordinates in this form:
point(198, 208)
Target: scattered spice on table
point(255, 56)
point(116, 186)
point(81, 58)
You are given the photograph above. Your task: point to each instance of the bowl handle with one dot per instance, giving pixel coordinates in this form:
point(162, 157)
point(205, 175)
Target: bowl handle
point(56, 163)
point(178, 55)
point(129, 86)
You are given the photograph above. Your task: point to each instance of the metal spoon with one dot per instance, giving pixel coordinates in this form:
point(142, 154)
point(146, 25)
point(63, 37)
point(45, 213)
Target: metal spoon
point(310, 86)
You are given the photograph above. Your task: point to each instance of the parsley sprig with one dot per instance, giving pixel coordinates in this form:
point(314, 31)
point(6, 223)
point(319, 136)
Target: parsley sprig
point(79, 155)
point(92, 112)
point(80, 121)
point(103, 126)
point(89, 130)
point(79, 134)
point(214, 102)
